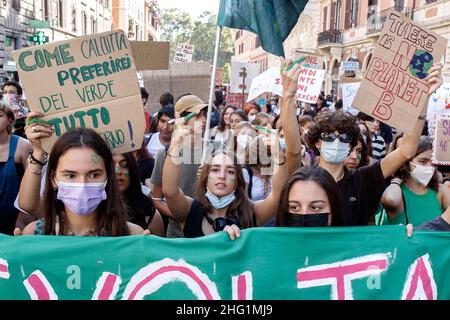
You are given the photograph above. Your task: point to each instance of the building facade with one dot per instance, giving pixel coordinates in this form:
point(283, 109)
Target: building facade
point(128, 15)
point(153, 21)
point(64, 19)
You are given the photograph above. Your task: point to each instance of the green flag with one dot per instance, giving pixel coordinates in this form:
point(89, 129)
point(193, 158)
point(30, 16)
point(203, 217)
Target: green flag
point(271, 20)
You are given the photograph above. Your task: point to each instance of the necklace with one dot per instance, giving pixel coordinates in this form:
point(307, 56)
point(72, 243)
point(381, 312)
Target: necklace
point(85, 233)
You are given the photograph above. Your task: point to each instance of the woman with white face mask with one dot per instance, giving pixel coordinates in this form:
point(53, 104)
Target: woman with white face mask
point(416, 196)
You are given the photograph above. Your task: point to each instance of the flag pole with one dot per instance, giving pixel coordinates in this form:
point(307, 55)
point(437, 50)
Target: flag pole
point(211, 93)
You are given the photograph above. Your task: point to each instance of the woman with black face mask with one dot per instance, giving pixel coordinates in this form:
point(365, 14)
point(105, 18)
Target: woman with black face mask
point(310, 198)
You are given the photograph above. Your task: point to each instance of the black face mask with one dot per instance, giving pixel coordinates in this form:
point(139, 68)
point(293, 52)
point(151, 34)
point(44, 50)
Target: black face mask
point(308, 220)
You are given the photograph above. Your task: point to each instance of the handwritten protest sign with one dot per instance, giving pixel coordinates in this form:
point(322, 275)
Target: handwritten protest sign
point(438, 104)
point(371, 263)
point(184, 53)
point(251, 71)
point(309, 84)
point(393, 89)
point(348, 95)
point(235, 99)
point(268, 81)
point(441, 142)
point(87, 82)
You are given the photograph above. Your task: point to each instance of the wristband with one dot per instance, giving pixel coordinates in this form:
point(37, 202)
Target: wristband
point(33, 160)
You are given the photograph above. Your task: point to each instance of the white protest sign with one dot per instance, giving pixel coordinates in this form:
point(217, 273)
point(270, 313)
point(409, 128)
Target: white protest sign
point(438, 104)
point(349, 65)
point(268, 81)
point(184, 53)
point(251, 71)
point(309, 84)
point(348, 94)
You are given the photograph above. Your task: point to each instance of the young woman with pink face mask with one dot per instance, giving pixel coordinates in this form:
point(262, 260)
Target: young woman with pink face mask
point(415, 195)
point(81, 196)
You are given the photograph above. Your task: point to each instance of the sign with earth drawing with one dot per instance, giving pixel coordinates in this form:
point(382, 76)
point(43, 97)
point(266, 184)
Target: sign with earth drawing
point(394, 89)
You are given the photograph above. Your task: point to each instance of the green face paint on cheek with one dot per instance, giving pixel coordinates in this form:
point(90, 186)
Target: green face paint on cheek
point(117, 170)
point(126, 174)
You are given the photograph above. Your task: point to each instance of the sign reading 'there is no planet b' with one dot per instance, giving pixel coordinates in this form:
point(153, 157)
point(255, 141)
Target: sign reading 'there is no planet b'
point(86, 82)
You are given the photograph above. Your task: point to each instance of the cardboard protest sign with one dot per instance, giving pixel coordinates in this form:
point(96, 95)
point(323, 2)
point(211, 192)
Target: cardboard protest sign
point(251, 71)
point(313, 61)
point(236, 99)
point(393, 89)
point(309, 84)
point(441, 142)
point(268, 81)
point(87, 82)
point(150, 55)
point(438, 104)
point(113, 268)
point(184, 53)
point(348, 95)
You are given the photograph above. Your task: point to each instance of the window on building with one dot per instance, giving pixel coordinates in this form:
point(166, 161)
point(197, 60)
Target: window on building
point(324, 21)
point(351, 13)
point(336, 10)
point(83, 22)
point(430, 1)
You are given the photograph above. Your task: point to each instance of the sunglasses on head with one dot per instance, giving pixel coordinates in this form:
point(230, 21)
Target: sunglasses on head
point(220, 223)
point(330, 137)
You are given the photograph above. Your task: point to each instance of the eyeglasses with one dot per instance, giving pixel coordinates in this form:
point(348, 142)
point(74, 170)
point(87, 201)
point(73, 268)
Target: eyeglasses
point(330, 137)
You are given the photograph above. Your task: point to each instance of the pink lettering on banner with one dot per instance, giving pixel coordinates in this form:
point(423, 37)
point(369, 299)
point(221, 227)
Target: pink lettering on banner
point(38, 287)
point(107, 287)
point(242, 286)
point(340, 274)
point(420, 283)
point(4, 270)
point(155, 275)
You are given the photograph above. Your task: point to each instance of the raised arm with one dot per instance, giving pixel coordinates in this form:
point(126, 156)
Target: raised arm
point(30, 187)
point(408, 146)
point(267, 208)
point(289, 117)
point(392, 199)
point(179, 204)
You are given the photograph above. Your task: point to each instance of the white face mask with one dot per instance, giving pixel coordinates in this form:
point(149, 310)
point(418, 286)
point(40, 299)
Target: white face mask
point(422, 174)
point(251, 118)
point(334, 152)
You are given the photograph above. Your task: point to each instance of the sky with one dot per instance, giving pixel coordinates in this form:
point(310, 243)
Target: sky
point(193, 7)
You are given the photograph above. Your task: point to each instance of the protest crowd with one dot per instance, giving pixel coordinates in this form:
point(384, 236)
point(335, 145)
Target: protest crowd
point(285, 164)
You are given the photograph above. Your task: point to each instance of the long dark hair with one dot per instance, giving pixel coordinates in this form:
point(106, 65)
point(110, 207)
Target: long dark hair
point(111, 217)
point(222, 125)
point(241, 210)
point(404, 173)
point(326, 182)
point(136, 202)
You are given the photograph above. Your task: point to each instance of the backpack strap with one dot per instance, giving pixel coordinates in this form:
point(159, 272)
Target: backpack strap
point(404, 206)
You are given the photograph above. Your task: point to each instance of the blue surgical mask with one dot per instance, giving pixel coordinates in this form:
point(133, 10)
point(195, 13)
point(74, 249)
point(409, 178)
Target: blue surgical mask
point(219, 203)
point(334, 152)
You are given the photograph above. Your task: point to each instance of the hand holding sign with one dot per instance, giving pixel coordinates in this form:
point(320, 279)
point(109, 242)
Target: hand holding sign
point(434, 78)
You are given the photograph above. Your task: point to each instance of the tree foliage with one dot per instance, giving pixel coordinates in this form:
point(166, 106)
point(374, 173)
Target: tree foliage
point(178, 27)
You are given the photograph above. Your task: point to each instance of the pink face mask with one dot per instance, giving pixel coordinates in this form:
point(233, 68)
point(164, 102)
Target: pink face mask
point(81, 198)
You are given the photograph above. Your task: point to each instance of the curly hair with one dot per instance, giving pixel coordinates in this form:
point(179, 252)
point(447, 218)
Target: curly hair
point(328, 122)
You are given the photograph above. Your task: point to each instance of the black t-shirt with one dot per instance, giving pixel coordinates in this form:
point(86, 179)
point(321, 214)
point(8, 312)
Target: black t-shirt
point(193, 224)
point(139, 209)
point(361, 192)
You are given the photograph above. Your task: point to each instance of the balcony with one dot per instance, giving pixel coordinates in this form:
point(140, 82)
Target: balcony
point(375, 21)
point(329, 37)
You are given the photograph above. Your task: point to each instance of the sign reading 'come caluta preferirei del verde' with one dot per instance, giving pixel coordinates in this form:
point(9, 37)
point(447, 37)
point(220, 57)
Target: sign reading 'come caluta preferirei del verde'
point(87, 82)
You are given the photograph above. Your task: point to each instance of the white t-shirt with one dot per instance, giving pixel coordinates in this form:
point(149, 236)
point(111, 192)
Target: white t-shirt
point(154, 145)
point(258, 190)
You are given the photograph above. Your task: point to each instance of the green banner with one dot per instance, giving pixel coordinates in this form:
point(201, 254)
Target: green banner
point(265, 263)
